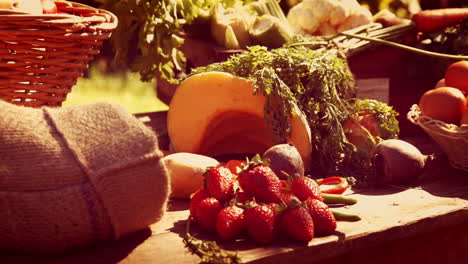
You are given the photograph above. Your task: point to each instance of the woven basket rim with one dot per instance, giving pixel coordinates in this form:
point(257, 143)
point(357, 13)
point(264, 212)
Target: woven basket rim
point(106, 19)
point(436, 126)
point(44, 54)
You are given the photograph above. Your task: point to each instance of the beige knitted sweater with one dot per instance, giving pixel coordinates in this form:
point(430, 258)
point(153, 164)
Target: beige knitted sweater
point(74, 176)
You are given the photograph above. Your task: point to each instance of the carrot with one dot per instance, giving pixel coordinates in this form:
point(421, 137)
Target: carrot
point(431, 20)
point(388, 21)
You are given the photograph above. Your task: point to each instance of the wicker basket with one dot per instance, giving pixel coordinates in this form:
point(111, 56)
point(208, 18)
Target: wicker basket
point(41, 56)
point(452, 139)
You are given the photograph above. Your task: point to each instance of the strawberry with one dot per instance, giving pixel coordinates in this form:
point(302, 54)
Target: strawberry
point(220, 183)
point(296, 222)
point(196, 198)
point(324, 221)
point(260, 223)
point(277, 209)
point(286, 198)
point(259, 180)
point(230, 222)
point(235, 165)
point(305, 188)
point(242, 197)
point(284, 184)
point(207, 210)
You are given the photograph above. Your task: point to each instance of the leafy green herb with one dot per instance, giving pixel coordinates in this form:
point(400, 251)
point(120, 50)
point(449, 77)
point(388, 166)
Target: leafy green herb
point(385, 115)
point(208, 251)
point(317, 83)
point(148, 35)
point(299, 80)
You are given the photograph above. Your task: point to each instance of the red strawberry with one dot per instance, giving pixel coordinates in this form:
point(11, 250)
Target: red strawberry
point(284, 184)
point(207, 210)
point(196, 198)
point(277, 208)
point(219, 182)
point(286, 198)
point(297, 223)
point(230, 222)
point(260, 223)
point(260, 181)
point(305, 188)
point(324, 221)
point(235, 165)
point(242, 197)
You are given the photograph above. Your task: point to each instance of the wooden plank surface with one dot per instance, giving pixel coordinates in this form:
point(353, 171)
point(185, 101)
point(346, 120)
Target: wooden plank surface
point(389, 216)
point(427, 221)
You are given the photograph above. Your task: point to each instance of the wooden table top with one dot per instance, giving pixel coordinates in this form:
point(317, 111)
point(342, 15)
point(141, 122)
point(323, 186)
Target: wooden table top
point(424, 222)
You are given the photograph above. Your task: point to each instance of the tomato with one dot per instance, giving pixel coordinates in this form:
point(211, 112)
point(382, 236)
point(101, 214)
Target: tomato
point(49, 7)
point(456, 76)
point(446, 104)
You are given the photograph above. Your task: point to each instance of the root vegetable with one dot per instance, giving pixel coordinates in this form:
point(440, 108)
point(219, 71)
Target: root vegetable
point(388, 19)
point(286, 158)
point(186, 172)
point(435, 19)
point(397, 162)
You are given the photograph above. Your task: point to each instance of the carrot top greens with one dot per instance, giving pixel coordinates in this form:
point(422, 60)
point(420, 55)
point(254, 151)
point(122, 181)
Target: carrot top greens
point(298, 80)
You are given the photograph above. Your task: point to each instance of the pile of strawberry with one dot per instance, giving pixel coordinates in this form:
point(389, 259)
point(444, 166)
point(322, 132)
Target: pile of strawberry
point(254, 201)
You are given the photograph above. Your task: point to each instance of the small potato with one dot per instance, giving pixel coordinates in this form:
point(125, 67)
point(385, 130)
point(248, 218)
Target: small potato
point(186, 172)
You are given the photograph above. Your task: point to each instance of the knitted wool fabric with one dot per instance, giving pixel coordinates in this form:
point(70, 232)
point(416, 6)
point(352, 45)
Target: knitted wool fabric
point(73, 176)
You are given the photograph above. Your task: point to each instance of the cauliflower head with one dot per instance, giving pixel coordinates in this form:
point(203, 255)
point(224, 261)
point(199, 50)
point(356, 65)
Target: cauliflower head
point(327, 17)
